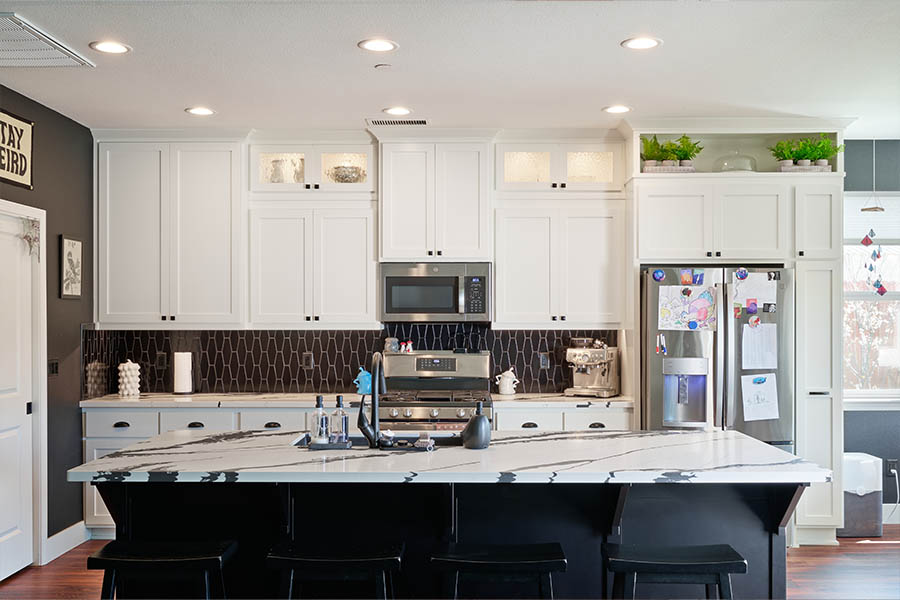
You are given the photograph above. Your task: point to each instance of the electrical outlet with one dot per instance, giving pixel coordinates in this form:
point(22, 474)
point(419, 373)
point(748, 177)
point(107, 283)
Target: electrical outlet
point(162, 360)
point(544, 358)
point(890, 463)
point(53, 367)
point(307, 360)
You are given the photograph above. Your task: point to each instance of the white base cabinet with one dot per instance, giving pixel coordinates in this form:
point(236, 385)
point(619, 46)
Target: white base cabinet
point(95, 512)
point(560, 268)
point(592, 418)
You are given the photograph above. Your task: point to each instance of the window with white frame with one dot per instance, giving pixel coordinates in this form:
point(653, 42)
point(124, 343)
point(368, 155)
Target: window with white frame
point(871, 323)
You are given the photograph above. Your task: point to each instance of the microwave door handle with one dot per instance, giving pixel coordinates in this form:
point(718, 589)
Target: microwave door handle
point(462, 295)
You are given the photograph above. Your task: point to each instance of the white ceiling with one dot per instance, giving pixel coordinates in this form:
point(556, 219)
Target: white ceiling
point(500, 64)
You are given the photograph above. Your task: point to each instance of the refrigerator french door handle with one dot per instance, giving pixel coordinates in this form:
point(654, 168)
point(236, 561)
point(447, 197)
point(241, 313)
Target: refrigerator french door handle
point(730, 352)
point(719, 415)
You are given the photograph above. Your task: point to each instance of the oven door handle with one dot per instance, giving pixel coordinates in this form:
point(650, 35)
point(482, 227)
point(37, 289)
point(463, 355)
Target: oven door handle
point(462, 294)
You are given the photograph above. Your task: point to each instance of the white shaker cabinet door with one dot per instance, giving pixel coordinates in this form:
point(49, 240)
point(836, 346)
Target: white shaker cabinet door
point(591, 261)
point(675, 221)
point(462, 202)
point(526, 275)
point(344, 266)
point(751, 220)
point(95, 512)
point(133, 211)
point(205, 233)
point(818, 220)
point(281, 266)
point(407, 201)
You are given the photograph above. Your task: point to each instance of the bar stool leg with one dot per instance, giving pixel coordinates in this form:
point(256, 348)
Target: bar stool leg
point(630, 585)
point(380, 586)
point(546, 582)
point(712, 591)
point(206, 590)
point(215, 583)
point(618, 590)
point(725, 586)
point(287, 584)
point(108, 591)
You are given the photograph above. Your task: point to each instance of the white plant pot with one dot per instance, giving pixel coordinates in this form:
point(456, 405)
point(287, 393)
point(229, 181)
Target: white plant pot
point(687, 163)
point(669, 163)
point(822, 162)
point(786, 163)
point(803, 162)
point(649, 163)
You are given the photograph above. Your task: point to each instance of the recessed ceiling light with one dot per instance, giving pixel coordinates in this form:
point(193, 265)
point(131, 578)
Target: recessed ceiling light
point(616, 108)
point(378, 45)
point(397, 111)
point(110, 47)
point(640, 43)
point(200, 111)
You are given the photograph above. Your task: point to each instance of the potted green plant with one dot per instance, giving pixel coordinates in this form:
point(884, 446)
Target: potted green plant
point(826, 150)
point(669, 154)
point(806, 152)
point(686, 150)
point(784, 151)
point(651, 151)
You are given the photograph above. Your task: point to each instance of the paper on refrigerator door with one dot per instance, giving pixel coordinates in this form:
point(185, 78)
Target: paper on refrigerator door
point(686, 307)
point(757, 288)
point(759, 346)
point(760, 395)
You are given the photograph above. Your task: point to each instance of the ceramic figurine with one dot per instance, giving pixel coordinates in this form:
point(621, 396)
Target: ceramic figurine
point(129, 380)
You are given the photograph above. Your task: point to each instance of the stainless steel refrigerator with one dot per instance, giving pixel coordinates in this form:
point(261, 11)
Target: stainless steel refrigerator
point(695, 357)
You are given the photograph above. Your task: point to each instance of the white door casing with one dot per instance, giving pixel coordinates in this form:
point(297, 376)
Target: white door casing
point(16, 390)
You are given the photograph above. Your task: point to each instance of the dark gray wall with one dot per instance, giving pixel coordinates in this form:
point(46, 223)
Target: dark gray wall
point(63, 172)
point(876, 433)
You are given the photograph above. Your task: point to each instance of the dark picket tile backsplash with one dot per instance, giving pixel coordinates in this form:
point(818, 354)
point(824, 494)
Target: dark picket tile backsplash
point(270, 361)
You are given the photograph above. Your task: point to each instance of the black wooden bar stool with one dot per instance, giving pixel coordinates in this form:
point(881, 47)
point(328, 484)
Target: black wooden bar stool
point(510, 562)
point(119, 559)
point(710, 565)
point(299, 564)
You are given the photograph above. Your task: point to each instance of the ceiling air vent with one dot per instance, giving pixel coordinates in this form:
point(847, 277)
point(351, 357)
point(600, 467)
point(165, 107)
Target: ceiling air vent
point(24, 45)
point(395, 122)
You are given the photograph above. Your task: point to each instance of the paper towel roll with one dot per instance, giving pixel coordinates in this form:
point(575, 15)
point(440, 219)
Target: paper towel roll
point(183, 379)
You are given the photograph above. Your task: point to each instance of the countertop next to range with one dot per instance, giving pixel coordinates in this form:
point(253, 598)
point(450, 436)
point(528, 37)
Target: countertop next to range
point(616, 457)
point(291, 400)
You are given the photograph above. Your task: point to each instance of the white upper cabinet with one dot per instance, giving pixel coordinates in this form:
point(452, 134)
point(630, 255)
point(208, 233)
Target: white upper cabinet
point(817, 220)
point(435, 202)
point(310, 267)
point(299, 167)
point(205, 233)
point(751, 221)
point(169, 233)
point(281, 265)
point(546, 167)
point(133, 210)
point(560, 267)
point(675, 221)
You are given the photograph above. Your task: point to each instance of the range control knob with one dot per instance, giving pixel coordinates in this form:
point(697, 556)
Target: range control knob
point(407, 412)
point(435, 412)
point(461, 412)
point(394, 412)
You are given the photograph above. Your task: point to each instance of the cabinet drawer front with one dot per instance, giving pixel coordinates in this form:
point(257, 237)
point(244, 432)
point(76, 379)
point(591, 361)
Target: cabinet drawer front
point(517, 420)
point(121, 423)
point(285, 420)
point(200, 420)
point(596, 420)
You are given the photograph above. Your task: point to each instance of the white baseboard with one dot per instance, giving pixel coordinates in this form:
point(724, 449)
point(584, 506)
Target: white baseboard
point(816, 536)
point(65, 540)
point(893, 519)
point(102, 533)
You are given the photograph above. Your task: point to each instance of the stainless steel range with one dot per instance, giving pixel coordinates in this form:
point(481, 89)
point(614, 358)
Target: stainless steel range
point(434, 390)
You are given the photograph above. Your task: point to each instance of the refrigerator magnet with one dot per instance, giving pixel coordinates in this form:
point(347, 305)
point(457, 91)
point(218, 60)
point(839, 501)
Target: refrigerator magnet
point(698, 277)
point(753, 321)
point(687, 276)
point(741, 273)
point(769, 307)
point(659, 275)
point(752, 306)
point(737, 311)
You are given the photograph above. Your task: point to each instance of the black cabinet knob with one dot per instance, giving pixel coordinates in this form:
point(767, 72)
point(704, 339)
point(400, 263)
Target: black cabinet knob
point(163, 318)
point(529, 425)
point(308, 318)
point(800, 253)
point(272, 425)
point(440, 252)
point(172, 317)
point(709, 254)
point(316, 186)
point(121, 424)
point(597, 425)
point(430, 253)
point(553, 318)
point(562, 318)
point(553, 185)
point(308, 186)
point(316, 318)
point(718, 254)
point(562, 185)
point(195, 425)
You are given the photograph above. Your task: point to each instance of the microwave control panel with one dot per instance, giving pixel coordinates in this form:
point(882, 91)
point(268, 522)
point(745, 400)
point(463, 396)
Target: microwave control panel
point(476, 294)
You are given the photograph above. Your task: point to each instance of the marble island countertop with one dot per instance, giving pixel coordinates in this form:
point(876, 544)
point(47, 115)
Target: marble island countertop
point(513, 457)
point(308, 400)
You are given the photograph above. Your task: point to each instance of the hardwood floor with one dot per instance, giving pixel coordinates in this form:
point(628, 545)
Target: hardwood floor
point(856, 569)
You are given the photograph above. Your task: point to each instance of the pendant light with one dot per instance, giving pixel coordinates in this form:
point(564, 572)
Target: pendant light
point(872, 204)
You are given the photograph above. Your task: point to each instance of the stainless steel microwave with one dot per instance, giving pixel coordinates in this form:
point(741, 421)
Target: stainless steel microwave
point(436, 292)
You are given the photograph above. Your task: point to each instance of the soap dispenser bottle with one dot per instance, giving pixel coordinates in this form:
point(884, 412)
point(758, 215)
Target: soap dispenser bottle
point(477, 433)
point(318, 431)
point(340, 423)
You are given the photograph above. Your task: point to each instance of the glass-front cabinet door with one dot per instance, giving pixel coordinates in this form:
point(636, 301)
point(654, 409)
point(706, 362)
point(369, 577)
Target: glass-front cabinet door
point(346, 168)
point(546, 167)
point(593, 166)
point(525, 166)
point(295, 168)
point(279, 168)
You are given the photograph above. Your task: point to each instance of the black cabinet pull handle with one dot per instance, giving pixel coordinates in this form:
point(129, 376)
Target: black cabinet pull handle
point(709, 254)
point(597, 425)
point(316, 318)
point(121, 424)
point(163, 317)
point(529, 425)
point(718, 254)
point(562, 318)
point(308, 318)
point(430, 253)
point(272, 425)
point(440, 252)
point(553, 185)
point(553, 318)
point(562, 185)
point(172, 317)
point(801, 253)
point(195, 425)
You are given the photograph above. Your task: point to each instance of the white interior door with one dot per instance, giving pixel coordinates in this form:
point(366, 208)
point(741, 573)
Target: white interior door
point(16, 542)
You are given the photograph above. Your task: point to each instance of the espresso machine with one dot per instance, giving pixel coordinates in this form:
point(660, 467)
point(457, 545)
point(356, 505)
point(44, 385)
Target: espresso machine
point(595, 368)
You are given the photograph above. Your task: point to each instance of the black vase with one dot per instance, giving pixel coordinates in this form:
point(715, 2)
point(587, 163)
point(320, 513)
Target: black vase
point(477, 434)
